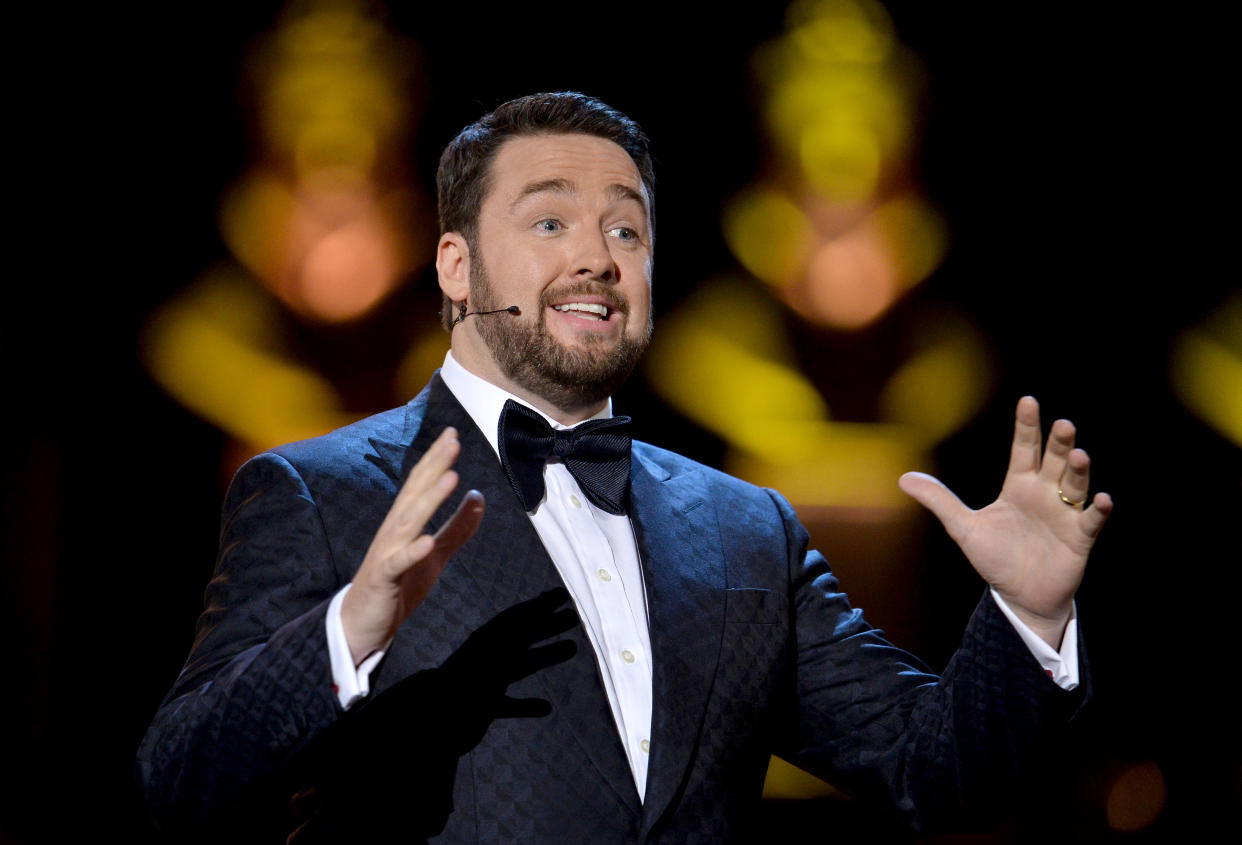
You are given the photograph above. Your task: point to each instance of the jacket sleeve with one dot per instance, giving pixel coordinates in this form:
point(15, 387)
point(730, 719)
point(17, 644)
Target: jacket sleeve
point(257, 685)
point(945, 751)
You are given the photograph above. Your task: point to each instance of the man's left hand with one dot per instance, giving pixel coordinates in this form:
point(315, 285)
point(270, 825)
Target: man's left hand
point(1031, 544)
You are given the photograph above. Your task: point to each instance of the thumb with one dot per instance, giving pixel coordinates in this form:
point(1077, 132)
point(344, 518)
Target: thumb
point(940, 500)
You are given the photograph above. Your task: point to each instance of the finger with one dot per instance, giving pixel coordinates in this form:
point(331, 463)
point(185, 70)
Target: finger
point(424, 490)
point(430, 467)
point(1024, 454)
point(395, 566)
point(409, 514)
point(548, 625)
point(520, 708)
point(1056, 456)
point(441, 548)
point(550, 599)
point(537, 658)
point(461, 525)
point(1076, 479)
point(1094, 517)
point(523, 614)
point(940, 500)
point(521, 626)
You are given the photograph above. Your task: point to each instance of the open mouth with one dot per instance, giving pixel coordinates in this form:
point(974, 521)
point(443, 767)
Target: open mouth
point(585, 310)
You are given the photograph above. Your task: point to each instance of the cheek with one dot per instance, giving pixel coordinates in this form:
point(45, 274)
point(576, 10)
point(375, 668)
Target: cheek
point(518, 264)
point(540, 267)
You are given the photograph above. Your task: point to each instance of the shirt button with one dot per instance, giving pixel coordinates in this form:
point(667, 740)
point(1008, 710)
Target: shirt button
point(627, 656)
point(604, 575)
point(645, 746)
point(575, 501)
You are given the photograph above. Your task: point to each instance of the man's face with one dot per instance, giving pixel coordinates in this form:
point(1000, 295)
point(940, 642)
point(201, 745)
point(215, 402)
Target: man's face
point(564, 234)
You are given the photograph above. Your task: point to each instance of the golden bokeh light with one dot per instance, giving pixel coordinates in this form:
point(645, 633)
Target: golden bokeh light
point(839, 87)
point(850, 281)
point(420, 361)
point(786, 781)
point(835, 266)
point(330, 87)
point(723, 361)
point(319, 218)
point(841, 158)
point(842, 30)
point(196, 347)
point(939, 388)
point(323, 226)
point(838, 229)
point(839, 233)
point(1136, 798)
point(330, 253)
point(770, 234)
point(1206, 370)
point(914, 234)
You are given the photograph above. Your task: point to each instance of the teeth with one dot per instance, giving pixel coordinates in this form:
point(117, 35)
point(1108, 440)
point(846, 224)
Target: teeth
point(601, 310)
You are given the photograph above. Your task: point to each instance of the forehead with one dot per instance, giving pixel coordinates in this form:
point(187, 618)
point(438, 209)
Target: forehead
point(587, 161)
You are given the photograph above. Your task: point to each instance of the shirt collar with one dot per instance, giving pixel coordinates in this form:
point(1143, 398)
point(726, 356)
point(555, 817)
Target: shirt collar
point(484, 401)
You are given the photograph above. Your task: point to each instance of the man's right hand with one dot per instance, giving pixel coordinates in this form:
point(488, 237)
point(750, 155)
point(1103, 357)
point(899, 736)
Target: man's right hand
point(402, 562)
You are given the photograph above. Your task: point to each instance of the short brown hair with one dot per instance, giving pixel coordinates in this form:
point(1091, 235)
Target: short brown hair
point(463, 178)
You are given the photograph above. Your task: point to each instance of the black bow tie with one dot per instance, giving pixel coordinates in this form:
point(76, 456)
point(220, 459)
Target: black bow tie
point(596, 453)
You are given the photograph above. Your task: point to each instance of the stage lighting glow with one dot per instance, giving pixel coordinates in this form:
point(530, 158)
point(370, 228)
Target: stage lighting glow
point(770, 235)
point(1206, 372)
point(195, 347)
point(840, 158)
point(942, 386)
point(1136, 798)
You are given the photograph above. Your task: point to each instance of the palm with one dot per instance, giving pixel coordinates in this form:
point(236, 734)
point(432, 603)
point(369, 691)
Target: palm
point(1029, 545)
point(402, 564)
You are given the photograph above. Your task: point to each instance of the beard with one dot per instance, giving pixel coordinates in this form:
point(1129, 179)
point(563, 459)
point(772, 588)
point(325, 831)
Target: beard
point(528, 355)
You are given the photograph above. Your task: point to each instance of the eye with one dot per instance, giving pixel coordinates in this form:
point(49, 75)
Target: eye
point(549, 224)
point(623, 233)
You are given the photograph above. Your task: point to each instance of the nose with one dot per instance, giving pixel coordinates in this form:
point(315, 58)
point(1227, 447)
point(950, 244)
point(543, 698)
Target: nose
point(592, 258)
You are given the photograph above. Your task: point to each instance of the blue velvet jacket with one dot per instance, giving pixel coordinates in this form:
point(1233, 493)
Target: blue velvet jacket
point(485, 726)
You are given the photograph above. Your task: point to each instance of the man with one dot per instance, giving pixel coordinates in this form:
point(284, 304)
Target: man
point(598, 643)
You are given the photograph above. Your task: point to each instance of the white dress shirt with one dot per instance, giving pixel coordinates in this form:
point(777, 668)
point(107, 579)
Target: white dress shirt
point(597, 557)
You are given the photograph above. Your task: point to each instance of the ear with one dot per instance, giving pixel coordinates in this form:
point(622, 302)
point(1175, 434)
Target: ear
point(453, 266)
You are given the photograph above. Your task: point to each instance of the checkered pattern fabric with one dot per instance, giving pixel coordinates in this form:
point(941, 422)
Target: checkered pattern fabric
point(488, 721)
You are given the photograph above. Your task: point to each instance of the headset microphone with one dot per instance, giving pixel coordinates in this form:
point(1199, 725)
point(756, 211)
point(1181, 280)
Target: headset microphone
point(462, 315)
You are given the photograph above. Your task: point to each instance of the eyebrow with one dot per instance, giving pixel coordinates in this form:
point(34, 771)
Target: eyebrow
point(544, 186)
point(616, 191)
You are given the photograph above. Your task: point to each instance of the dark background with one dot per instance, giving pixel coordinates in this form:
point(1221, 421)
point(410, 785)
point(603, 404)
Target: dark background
point(1081, 163)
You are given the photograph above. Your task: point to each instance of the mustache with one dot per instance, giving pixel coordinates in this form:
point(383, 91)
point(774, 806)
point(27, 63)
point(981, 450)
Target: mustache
point(597, 290)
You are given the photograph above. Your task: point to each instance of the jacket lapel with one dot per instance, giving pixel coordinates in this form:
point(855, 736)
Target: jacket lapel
point(683, 563)
point(505, 563)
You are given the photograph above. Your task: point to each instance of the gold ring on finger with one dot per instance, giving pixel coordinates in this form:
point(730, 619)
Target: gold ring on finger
point(1071, 502)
